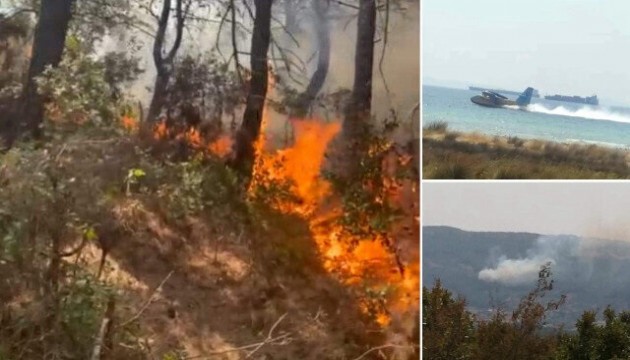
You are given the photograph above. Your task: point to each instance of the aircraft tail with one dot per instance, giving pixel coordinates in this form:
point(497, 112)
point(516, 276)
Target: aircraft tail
point(526, 97)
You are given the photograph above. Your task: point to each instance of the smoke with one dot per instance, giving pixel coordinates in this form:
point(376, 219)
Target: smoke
point(401, 64)
point(557, 250)
point(514, 271)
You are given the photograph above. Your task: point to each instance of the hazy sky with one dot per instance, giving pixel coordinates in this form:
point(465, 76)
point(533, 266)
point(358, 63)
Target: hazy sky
point(572, 47)
point(588, 209)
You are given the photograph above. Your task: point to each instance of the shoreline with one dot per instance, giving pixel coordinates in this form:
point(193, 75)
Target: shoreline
point(449, 154)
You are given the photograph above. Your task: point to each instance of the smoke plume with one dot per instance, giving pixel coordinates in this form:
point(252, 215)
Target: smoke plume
point(559, 251)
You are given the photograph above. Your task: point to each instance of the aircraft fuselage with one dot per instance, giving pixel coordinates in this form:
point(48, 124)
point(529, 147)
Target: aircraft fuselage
point(493, 99)
point(492, 102)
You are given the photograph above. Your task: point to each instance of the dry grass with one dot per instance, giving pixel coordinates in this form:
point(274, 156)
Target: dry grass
point(228, 289)
point(437, 126)
point(455, 155)
point(218, 283)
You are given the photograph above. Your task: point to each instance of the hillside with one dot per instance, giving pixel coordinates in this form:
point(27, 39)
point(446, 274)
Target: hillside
point(591, 272)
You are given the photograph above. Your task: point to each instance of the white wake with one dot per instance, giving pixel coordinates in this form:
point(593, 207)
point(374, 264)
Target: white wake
point(585, 112)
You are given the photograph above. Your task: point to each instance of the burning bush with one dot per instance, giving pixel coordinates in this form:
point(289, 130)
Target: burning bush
point(201, 94)
point(351, 221)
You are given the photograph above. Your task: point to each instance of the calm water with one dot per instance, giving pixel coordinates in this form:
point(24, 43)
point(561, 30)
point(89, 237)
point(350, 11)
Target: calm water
point(543, 119)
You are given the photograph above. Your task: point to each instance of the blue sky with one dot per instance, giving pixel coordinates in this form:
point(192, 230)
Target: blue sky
point(579, 47)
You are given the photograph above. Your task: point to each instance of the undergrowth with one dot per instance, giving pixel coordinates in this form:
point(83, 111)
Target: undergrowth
point(95, 175)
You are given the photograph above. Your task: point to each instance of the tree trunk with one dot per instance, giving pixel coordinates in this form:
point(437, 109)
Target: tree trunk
point(360, 104)
point(48, 45)
point(159, 96)
point(351, 145)
point(320, 8)
point(164, 63)
point(250, 128)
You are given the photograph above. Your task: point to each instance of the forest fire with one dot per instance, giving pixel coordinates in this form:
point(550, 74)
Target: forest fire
point(370, 263)
point(221, 146)
point(194, 139)
point(193, 183)
point(367, 263)
point(129, 123)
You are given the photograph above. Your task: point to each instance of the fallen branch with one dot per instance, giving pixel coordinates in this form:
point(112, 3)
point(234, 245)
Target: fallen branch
point(269, 338)
point(105, 331)
point(280, 340)
point(146, 305)
point(386, 346)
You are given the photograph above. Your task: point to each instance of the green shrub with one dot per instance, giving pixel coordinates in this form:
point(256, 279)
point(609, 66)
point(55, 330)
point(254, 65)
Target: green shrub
point(436, 126)
point(509, 173)
point(448, 171)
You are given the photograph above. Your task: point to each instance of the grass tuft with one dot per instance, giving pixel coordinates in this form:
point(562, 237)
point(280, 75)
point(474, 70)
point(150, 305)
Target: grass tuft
point(437, 126)
point(478, 156)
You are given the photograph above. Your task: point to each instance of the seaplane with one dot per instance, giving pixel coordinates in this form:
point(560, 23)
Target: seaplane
point(493, 99)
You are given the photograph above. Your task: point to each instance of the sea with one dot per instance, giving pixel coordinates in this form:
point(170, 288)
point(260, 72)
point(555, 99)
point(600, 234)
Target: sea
point(542, 119)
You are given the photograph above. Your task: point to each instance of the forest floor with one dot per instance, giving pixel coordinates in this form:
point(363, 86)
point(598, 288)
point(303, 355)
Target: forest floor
point(233, 293)
point(457, 155)
point(229, 277)
point(224, 294)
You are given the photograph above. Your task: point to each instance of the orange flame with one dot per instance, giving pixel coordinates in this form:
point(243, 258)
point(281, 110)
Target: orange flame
point(222, 146)
point(370, 262)
point(129, 123)
point(192, 137)
point(160, 131)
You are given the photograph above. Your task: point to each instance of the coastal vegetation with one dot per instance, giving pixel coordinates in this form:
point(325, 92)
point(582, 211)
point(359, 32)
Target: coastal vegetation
point(449, 154)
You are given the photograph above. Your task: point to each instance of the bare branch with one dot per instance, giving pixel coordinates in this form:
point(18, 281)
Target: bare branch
point(281, 339)
point(75, 250)
point(146, 305)
point(386, 346)
point(218, 38)
point(149, 10)
point(249, 9)
point(384, 50)
point(286, 61)
point(269, 338)
point(343, 3)
point(285, 30)
point(180, 15)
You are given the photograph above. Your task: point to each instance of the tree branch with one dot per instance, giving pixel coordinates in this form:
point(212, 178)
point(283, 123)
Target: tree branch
point(384, 50)
point(146, 305)
point(180, 15)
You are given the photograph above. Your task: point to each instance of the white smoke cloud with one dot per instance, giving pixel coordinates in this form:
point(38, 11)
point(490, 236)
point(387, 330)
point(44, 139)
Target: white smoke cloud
point(557, 250)
point(514, 271)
